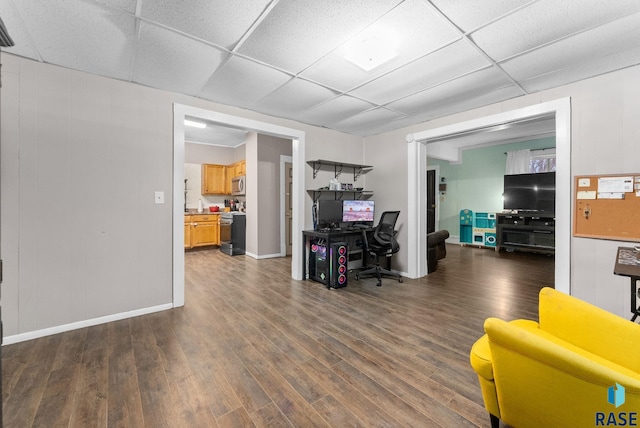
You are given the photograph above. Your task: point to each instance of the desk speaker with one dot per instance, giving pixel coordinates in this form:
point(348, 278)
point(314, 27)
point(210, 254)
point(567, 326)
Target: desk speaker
point(338, 256)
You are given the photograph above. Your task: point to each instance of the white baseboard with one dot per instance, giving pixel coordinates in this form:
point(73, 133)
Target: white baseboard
point(267, 256)
point(22, 337)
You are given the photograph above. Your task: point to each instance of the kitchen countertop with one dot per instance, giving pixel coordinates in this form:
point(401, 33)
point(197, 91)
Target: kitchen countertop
point(195, 212)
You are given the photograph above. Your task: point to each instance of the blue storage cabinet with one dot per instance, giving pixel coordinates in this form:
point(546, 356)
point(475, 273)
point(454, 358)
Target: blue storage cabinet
point(466, 226)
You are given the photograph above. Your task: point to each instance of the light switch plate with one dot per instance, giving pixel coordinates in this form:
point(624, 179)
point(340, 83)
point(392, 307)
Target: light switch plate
point(159, 198)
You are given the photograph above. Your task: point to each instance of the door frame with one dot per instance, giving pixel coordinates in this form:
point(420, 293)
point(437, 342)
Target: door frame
point(297, 138)
point(283, 195)
point(416, 167)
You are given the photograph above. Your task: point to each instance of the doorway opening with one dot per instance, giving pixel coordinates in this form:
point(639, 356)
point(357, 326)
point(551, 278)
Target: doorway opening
point(416, 165)
point(286, 203)
point(433, 211)
point(297, 138)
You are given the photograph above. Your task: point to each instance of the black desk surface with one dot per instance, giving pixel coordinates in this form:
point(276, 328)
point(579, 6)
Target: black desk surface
point(627, 262)
point(321, 233)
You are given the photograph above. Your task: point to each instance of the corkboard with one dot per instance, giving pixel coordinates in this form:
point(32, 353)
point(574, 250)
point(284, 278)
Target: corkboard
point(607, 207)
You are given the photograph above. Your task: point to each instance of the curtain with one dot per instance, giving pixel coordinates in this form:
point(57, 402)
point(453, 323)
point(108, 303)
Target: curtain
point(518, 162)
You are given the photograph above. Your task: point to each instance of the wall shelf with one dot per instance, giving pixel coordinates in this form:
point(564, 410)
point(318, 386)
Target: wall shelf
point(338, 167)
point(339, 194)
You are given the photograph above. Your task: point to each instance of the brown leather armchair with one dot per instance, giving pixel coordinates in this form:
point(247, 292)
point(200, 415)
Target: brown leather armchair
point(436, 248)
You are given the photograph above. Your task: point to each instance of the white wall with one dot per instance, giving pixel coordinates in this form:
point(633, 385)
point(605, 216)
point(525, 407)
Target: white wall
point(605, 134)
point(81, 157)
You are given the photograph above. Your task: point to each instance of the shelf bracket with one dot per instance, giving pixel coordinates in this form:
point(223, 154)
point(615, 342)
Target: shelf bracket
point(357, 172)
point(316, 168)
point(337, 172)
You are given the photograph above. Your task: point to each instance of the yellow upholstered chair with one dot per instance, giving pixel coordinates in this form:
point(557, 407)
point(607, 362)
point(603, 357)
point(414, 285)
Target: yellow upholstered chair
point(579, 366)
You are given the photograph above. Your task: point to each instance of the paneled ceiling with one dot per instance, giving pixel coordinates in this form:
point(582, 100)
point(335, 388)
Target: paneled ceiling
point(286, 58)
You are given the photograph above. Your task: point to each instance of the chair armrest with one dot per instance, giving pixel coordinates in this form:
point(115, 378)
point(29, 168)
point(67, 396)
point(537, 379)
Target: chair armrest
point(590, 327)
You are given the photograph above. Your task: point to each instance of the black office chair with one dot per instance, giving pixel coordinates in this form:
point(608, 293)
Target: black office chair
point(381, 243)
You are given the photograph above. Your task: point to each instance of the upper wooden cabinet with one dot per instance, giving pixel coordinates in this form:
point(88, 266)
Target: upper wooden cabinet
point(214, 179)
point(240, 168)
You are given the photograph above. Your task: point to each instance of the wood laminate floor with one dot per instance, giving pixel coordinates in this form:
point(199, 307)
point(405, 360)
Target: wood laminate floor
point(252, 347)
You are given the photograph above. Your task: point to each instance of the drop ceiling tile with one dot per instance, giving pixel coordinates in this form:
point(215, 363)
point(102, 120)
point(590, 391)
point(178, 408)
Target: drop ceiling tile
point(546, 21)
point(469, 15)
point(471, 101)
point(458, 92)
point(578, 51)
point(583, 70)
point(174, 62)
point(214, 134)
point(386, 126)
point(417, 30)
point(221, 22)
point(367, 119)
point(333, 111)
point(293, 97)
point(19, 34)
point(454, 60)
point(298, 33)
point(243, 83)
point(80, 35)
point(127, 5)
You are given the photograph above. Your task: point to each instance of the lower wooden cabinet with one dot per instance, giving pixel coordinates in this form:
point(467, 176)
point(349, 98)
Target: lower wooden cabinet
point(201, 230)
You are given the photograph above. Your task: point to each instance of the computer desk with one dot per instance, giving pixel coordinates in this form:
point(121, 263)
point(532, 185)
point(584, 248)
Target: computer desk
point(330, 236)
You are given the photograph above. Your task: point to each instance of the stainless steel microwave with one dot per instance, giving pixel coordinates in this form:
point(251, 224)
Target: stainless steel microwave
point(238, 185)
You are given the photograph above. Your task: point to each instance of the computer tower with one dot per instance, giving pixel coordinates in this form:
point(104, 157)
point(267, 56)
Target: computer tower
point(318, 262)
point(338, 258)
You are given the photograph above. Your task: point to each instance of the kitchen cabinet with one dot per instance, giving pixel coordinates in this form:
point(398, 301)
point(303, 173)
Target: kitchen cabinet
point(204, 229)
point(214, 179)
point(187, 231)
point(239, 168)
point(235, 170)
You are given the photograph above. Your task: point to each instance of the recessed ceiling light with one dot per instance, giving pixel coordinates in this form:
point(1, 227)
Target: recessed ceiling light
point(370, 50)
point(195, 124)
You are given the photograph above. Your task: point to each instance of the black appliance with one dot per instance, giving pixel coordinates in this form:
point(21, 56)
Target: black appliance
point(530, 192)
point(233, 235)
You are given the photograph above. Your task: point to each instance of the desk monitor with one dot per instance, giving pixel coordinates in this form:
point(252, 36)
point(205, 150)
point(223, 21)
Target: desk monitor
point(357, 211)
point(329, 213)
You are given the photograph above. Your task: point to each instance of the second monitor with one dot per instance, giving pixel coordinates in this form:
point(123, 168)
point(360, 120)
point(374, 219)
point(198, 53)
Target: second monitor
point(357, 211)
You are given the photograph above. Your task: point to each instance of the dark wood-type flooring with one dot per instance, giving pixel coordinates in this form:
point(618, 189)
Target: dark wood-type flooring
point(252, 347)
